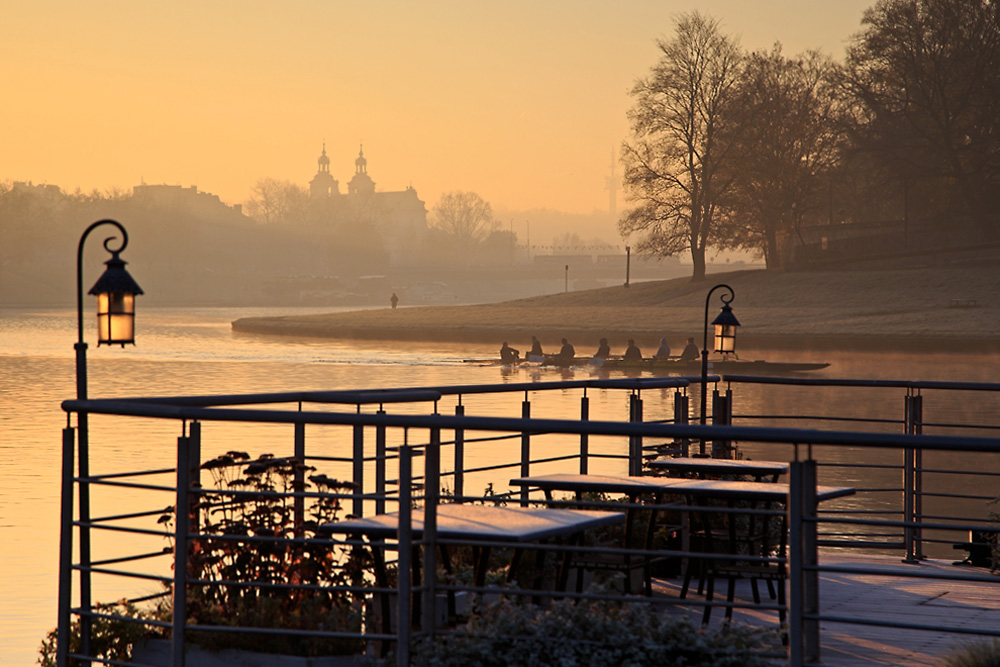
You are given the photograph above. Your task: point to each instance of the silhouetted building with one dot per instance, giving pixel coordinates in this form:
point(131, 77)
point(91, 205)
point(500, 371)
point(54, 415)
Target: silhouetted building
point(399, 217)
point(202, 204)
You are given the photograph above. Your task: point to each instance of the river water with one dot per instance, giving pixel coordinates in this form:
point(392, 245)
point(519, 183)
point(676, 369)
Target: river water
point(185, 351)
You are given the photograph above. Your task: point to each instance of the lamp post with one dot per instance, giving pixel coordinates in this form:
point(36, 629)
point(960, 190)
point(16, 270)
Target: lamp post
point(115, 291)
point(725, 325)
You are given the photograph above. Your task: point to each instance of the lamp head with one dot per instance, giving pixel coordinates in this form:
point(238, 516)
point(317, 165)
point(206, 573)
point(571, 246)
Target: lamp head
point(725, 330)
point(115, 291)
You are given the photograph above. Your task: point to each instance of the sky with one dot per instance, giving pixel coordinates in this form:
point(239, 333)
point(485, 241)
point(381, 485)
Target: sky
point(521, 101)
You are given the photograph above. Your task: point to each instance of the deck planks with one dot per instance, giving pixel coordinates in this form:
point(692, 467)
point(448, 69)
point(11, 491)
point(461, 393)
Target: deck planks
point(888, 596)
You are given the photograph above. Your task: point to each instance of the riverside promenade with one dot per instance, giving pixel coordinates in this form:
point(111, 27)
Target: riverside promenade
point(928, 308)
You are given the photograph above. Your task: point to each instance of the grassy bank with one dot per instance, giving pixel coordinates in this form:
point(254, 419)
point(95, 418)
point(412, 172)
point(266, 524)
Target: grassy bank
point(950, 307)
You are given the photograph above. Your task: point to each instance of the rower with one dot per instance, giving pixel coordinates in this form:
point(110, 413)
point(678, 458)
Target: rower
point(509, 355)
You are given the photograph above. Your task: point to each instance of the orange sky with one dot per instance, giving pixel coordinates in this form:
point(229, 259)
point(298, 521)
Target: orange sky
point(520, 101)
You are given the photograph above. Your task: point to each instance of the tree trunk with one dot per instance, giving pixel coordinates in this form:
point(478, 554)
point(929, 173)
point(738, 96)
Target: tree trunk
point(698, 260)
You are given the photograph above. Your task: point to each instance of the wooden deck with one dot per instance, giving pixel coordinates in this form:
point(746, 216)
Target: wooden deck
point(886, 596)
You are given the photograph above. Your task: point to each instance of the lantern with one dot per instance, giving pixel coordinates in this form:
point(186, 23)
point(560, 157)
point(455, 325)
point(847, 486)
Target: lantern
point(116, 291)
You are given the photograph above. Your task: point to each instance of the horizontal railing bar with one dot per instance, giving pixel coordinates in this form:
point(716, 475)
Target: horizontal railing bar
point(124, 485)
point(866, 466)
point(133, 515)
point(134, 473)
point(985, 427)
point(413, 394)
point(122, 573)
point(691, 431)
point(854, 620)
point(888, 524)
point(129, 559)
point(964, 518)
point(951, 471)
point(826, 418)
point(122, 529)
point(841, 382)
point(963, 496)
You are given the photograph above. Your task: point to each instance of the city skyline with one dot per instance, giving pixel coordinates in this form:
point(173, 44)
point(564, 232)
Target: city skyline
point(521, 103)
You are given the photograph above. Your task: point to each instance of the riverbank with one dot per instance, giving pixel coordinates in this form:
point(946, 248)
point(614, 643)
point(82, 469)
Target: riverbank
point(937, 308)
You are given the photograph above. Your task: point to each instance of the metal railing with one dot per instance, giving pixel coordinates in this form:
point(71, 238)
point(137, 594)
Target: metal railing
point(385, 444)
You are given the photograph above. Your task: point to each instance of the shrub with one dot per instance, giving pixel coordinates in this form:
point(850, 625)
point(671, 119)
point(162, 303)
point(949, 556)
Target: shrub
point(258, 561)
point(297, 580)
point(984, 653)
point(572, 634)
point(113, 634)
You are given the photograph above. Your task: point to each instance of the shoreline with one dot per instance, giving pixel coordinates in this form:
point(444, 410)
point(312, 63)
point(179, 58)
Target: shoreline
point(919, 309)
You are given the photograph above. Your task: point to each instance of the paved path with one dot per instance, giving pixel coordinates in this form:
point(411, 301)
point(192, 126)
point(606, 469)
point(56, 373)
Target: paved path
point(885, 596)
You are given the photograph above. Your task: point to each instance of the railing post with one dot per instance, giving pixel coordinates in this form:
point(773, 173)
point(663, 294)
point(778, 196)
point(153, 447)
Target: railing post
point(584, 437)
point(83, 513)
point(299, 503)
point(459, 454)
point(380, 462)
point(194, 474)
point(432, 486)
point(525, 448)
point(913, 480)
point(65, 548)
point(358, 506)
point(404, 575)
point(635, 441)
point(682, 416)
point(182, 529)
point(803, 558)
point(722, 415)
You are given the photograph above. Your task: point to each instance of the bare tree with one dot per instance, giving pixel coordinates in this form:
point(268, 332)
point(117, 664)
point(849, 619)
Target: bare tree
point(784, 154)
point(675, 162)
point(925, 76)
point(275, 202)
point(465, 218)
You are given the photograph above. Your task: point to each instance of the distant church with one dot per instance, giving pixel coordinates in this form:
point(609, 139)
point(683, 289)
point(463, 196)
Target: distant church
point(400, 216)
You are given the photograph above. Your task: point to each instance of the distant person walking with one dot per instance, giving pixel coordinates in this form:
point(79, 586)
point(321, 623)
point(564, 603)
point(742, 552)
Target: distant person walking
point(394, 300)
point(690, 352)
point(662, 352)
point(632, 352)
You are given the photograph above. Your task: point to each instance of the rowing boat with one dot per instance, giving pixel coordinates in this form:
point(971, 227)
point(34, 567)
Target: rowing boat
point(729, 366)
point(673, 366)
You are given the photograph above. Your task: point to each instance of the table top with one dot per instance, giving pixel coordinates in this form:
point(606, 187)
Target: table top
point(694, 488)
point(599, 483)
point(720, 466)
point(485, 522)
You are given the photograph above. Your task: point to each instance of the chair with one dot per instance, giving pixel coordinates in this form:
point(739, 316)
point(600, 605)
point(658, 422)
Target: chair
point(650, 521)
point(748, 546)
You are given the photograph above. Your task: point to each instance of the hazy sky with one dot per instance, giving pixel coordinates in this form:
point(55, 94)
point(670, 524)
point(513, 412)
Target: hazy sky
point(520, 101)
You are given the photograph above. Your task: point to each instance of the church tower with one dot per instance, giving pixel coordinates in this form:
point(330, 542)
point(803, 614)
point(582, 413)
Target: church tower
point(361, 183)
point(323, 185)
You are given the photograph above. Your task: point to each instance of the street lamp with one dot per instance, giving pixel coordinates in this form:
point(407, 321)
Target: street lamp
point(115, 291)
point(725, 325)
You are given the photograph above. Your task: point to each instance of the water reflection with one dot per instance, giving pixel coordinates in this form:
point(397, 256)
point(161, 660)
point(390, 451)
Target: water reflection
point(177, 354)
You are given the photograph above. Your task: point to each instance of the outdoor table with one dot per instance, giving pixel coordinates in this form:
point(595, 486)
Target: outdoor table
point(476, 523)
point(633, 487)
point(703, 467)
point(700, 492)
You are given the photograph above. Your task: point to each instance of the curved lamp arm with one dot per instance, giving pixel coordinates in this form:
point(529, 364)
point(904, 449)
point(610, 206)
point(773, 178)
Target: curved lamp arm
point(79, 266)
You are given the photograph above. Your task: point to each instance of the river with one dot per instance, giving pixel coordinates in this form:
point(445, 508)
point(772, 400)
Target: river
point(194, 351)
